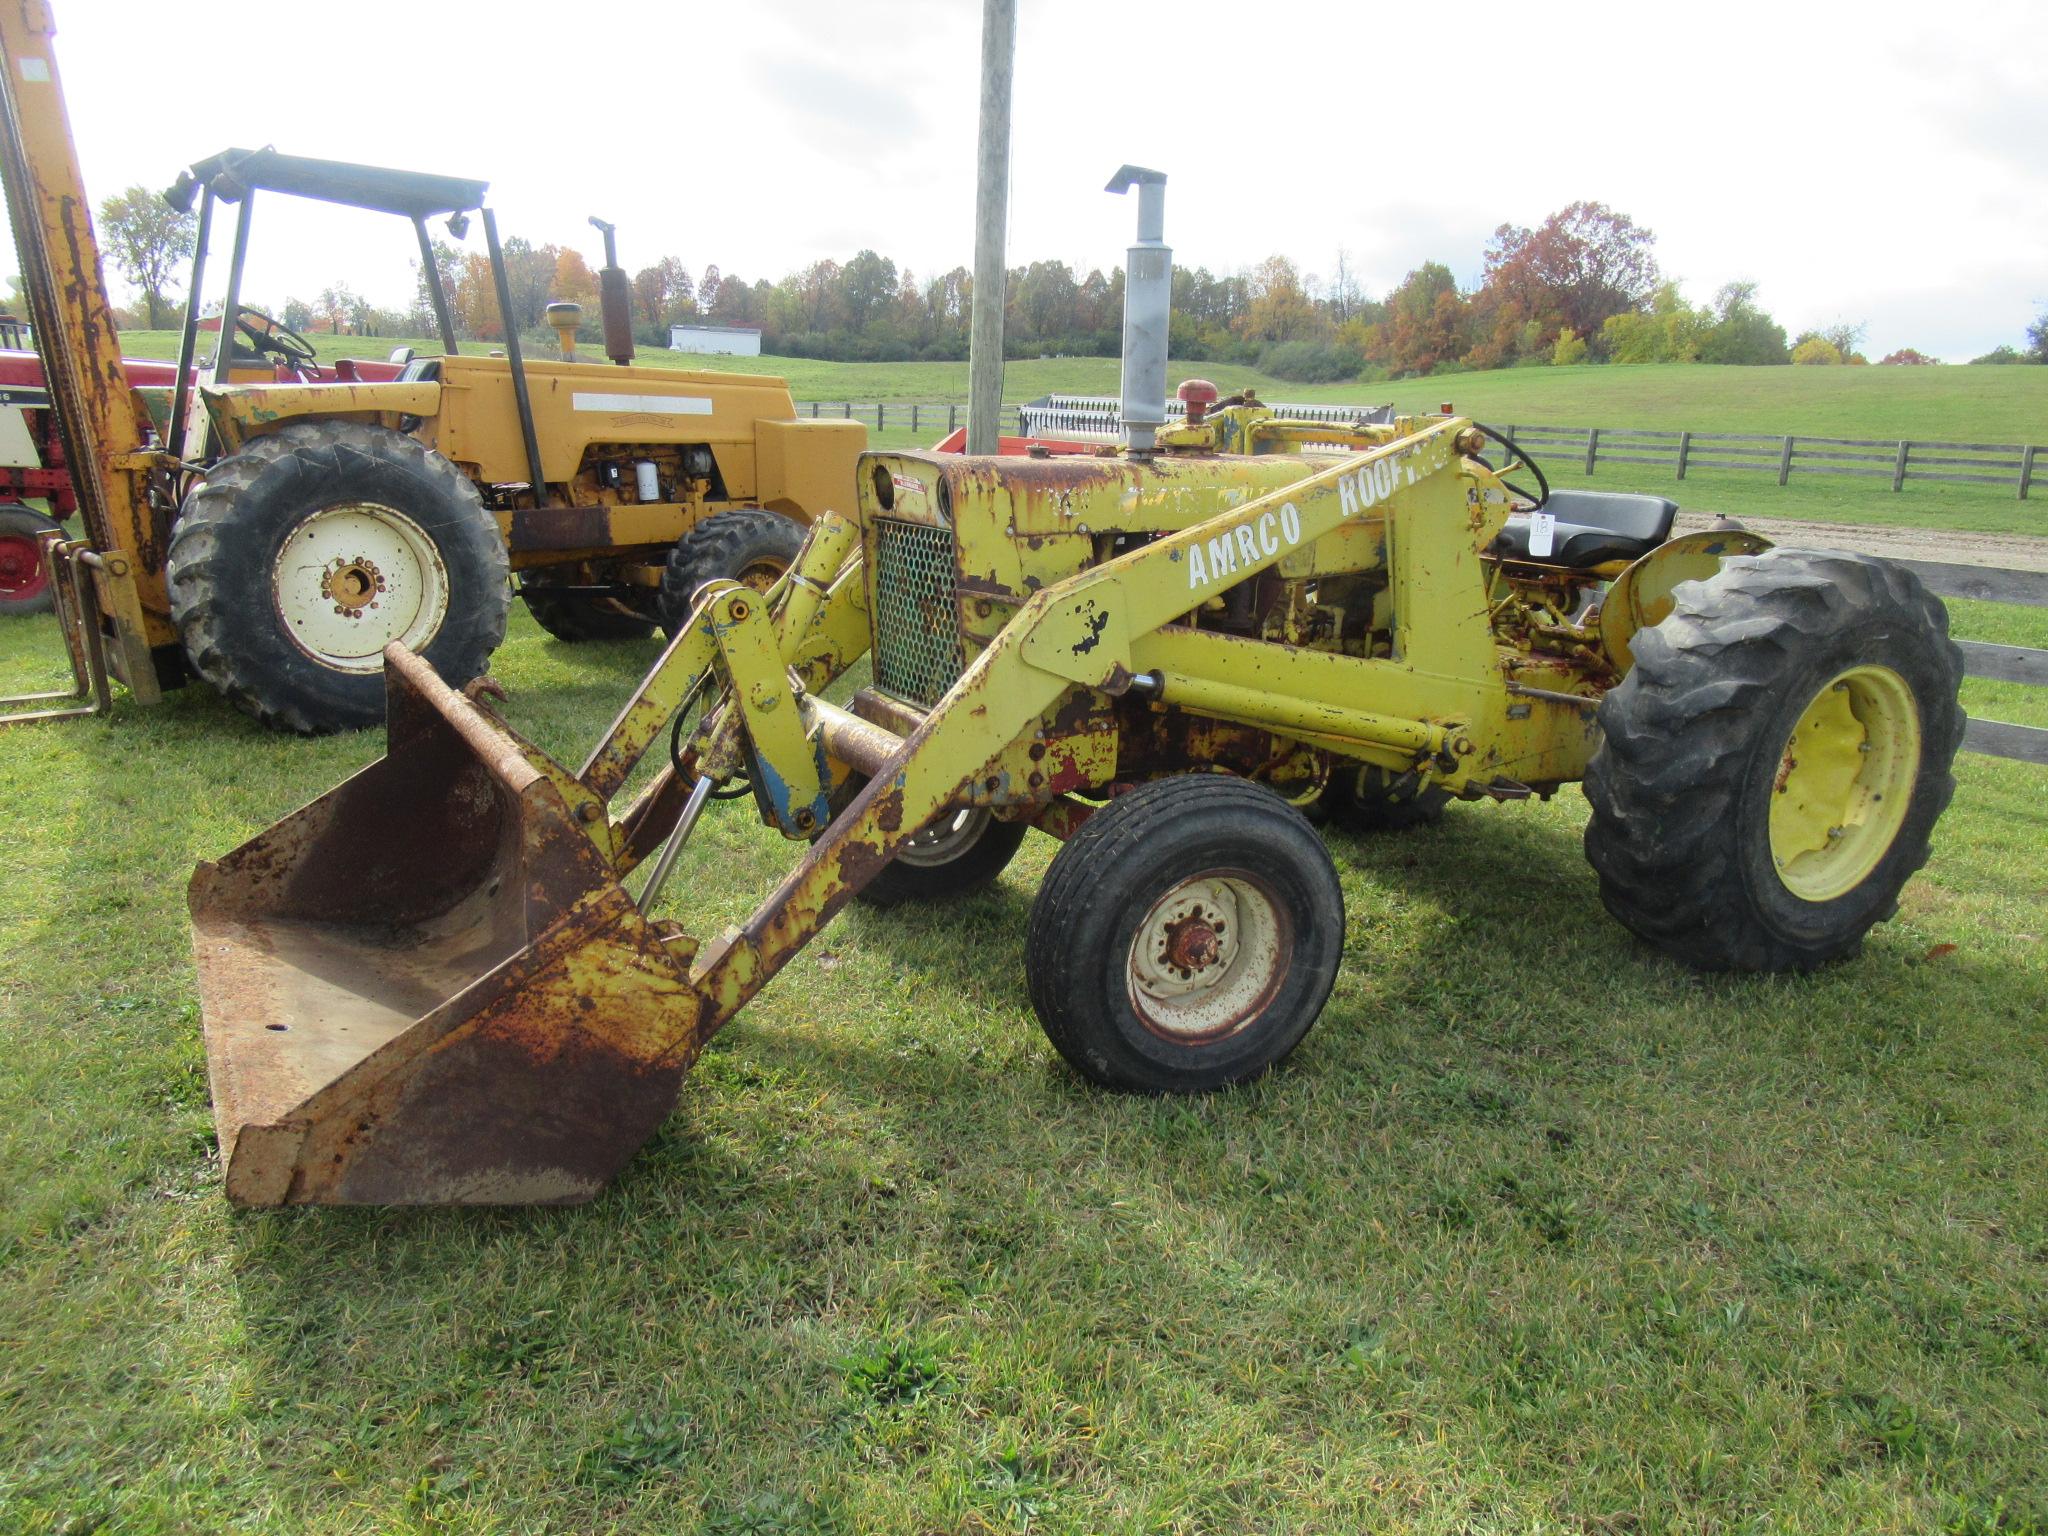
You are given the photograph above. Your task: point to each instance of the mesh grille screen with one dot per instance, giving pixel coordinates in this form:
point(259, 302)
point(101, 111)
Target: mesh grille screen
point(918, 653)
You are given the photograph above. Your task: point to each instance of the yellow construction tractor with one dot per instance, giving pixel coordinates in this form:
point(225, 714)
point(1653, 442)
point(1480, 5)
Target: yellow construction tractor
point(273, 535)
point(434, 983)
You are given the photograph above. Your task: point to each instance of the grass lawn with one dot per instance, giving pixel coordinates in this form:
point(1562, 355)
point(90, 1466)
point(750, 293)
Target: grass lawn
point(1965, 404)
point(1535, 1232)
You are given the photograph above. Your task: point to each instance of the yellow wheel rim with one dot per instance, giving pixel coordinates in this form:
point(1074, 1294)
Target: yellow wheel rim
point(1844, 781)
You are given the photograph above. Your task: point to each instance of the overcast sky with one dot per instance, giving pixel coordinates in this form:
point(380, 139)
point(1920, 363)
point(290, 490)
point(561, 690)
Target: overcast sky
point(1878, 163)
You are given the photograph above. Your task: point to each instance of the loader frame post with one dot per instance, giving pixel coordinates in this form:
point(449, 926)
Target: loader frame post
point(188, 334)
point(231, 305)
point(521, 400)
point(75, 333)
point(432, 271)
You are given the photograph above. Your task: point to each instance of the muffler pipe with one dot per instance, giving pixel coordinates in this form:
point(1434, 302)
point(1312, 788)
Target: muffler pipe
point(1148, 307)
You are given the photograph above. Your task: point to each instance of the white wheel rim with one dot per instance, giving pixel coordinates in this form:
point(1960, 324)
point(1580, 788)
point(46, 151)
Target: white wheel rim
point(1207, 959)
point(950, 835)
point(354, 577)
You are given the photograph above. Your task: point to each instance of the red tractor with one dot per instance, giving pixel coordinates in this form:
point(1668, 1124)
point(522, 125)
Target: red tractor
point(32, 463)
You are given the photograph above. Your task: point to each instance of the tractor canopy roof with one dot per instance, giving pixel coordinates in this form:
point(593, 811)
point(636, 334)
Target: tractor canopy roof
point(233, 173)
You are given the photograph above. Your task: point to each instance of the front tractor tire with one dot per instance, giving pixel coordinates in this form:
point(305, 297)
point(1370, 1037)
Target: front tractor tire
point(302, 556)
point(749, 545)
point(960, 851)
point(1185, 937)
point(1773, 765)
point(576, 616)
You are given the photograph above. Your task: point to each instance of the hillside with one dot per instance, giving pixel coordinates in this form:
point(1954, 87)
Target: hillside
point(1956, 404)
point(1977, 404)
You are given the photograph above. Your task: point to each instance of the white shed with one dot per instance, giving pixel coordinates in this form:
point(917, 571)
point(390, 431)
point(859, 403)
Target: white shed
point(731, 340)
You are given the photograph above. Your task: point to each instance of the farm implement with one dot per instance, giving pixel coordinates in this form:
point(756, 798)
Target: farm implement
point(437, 983)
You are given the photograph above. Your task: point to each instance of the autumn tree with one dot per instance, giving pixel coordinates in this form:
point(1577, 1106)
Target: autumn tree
point(1811, 350)
point(475, 299)
point(1425, 324)
point(866, 283)
point(574, 282)
point(148, 240)
point(337, 306)
point(736, 303)
point(1280, 308)
point(1742, 333)
point(663, 293)
point(1669, 331)
point(1572, 271)
point(1043, 301)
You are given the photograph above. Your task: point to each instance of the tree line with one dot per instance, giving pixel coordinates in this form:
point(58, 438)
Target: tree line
point(1582, 286)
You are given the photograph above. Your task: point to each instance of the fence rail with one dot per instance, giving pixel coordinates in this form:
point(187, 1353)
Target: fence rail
point(1897, 460)
point(1995, 663)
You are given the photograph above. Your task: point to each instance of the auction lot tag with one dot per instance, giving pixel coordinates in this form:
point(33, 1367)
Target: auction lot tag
point(1542, 534)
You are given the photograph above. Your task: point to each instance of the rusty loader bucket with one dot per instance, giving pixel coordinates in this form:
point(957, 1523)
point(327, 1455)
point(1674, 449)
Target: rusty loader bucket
point(429, 987)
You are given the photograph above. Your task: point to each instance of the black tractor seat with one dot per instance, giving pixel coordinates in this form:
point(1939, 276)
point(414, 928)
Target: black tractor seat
point(1593, 527)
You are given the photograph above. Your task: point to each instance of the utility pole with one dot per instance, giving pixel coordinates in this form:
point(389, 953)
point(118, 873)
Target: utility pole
point(991, 216)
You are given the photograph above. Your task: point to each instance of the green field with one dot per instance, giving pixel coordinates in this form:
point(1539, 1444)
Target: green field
point(1961, 404)
point(1536, 1231)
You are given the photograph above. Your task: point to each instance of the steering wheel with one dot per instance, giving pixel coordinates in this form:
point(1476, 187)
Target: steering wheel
point(274, 337)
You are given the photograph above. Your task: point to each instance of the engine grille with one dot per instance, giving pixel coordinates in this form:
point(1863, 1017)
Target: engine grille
point(918, 650)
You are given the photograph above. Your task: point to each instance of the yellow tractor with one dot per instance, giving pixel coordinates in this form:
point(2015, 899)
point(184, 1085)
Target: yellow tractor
point(272, 535)
point(434, 983)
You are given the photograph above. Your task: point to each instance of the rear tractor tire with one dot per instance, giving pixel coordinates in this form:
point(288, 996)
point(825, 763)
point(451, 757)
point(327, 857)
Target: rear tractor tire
point(1185, 937)
point(24, 577)
point(306, 553)
point(1773, 765)
point(750, 545)
point(1366, 798)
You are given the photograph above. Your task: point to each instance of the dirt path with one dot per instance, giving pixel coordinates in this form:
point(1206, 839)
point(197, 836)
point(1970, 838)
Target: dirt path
point(2003, 551)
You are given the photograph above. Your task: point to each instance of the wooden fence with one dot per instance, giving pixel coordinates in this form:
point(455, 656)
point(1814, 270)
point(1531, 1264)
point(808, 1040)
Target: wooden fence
point(2007, 464)
point(1996, 663)
point(914, 415)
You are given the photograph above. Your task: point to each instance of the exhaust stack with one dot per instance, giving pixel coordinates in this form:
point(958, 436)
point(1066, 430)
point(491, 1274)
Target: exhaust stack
point(615, 296)
point(1148, 304)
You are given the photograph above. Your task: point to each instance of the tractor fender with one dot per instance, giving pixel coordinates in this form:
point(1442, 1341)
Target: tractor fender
point(241, 412)
point(1641, 595)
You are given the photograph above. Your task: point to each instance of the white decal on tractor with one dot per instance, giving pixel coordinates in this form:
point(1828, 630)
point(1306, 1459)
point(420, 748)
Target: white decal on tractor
point(1249, 543)
point(641, 405)
point(1246, 545)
